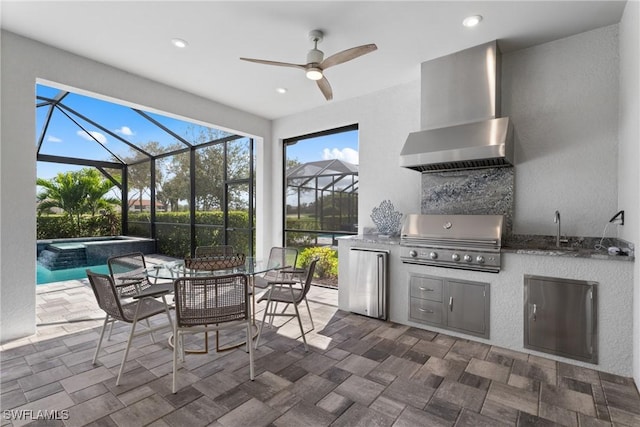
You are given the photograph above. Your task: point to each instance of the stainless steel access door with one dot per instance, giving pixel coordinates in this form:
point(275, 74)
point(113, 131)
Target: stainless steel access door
point(560, 317)
point(368, 277)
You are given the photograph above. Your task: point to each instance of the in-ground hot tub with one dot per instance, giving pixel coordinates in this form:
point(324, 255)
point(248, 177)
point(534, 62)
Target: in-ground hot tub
point(57, 254)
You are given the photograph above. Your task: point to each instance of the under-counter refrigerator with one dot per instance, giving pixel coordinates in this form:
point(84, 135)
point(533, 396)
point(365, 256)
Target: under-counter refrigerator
point(368, 280)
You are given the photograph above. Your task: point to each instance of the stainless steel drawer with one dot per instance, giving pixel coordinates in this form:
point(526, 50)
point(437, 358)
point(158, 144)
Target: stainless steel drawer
point(426, 288)
point(423, 310)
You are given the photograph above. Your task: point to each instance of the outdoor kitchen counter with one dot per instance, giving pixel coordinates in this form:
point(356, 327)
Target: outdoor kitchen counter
point(577, 247)
point(615, 294)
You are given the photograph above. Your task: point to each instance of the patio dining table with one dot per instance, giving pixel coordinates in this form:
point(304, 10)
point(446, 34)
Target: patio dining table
point(164, 274)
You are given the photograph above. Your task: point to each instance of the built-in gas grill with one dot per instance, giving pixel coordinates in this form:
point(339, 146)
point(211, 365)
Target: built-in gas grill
point(468, 242)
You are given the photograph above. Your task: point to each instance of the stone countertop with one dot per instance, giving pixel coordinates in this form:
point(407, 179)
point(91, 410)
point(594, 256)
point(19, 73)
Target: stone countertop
point(373, 238)
point(576, 247)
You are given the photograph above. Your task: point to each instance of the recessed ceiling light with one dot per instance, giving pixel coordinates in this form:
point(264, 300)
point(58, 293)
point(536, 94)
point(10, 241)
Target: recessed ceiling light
point(472, 21)
point(179, 43)
point(281, 90)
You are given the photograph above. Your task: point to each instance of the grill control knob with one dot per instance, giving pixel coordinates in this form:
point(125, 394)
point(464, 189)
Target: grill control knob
point(455, 257)
point(433, 255)
point(413, 253)
point(480, 259)
point(468, 258)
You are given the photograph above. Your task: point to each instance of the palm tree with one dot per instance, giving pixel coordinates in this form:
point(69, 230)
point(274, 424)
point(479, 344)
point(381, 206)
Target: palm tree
point(96, 187)
point(75, 193)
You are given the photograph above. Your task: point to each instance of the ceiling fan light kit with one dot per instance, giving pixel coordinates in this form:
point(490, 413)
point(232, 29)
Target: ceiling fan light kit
point(316, 64)
point(314, 73)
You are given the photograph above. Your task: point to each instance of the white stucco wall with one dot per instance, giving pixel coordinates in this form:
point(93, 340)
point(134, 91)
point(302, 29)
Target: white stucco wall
point(629, 152)
point(23, 62)
point(563, 99)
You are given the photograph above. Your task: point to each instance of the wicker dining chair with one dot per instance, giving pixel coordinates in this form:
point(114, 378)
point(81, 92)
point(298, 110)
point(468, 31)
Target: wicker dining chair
point(128, 272)
point(279, 258)
point(132, 312)
point(211, 303)
point(285, 291)
point(215, 250)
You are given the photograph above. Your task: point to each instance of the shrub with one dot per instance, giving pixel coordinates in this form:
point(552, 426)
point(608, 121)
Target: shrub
point(58, 226)
point(327, 266)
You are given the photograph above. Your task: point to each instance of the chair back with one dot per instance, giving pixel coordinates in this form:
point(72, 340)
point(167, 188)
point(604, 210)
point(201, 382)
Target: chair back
point(278, 258)
point(209, 251)
point(106, 294)
point(215, 262)
point(129, 265)
point(307, 281)
point(126, 263)
point(211, 300)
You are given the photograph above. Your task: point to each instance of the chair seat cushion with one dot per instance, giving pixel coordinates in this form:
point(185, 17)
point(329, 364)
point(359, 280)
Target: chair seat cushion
point(148, 307)
point(282, 294)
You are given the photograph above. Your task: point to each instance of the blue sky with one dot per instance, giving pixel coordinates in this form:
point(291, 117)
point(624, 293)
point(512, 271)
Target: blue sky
point(343, 146)
point(64, 138)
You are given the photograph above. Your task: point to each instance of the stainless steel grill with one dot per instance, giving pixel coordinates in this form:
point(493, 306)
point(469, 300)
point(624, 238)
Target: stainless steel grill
point(468, 242)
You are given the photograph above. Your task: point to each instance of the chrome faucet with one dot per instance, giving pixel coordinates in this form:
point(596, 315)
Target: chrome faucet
point(556, 219)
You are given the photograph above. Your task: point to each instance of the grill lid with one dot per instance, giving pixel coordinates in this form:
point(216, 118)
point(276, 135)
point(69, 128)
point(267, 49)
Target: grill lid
point(463, 230)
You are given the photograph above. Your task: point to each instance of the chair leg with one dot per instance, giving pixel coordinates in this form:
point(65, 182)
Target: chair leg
point(153, 340)
point(306, 348)
point(176, 343)
point(264, 318)
point(250, 347)
point(272, 317)
point(309, 311)
point(295, 306)
point(104, 327)
point(166, 309)
point(126, 351)
point(182, 351)
point(110, 330)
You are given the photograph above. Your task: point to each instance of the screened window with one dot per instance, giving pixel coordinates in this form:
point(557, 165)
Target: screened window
point(181, 183)
point(321, 191)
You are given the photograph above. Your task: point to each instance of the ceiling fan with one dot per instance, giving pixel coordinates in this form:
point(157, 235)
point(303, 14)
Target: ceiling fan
point(316, 64)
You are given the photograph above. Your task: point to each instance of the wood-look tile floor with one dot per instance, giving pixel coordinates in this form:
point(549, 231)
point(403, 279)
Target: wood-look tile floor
point(358, 372)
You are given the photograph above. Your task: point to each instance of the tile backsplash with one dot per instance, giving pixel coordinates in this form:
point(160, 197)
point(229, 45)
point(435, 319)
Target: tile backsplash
point(472, 192)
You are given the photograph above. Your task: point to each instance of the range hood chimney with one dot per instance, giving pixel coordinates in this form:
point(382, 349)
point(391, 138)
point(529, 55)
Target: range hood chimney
point(460, 117)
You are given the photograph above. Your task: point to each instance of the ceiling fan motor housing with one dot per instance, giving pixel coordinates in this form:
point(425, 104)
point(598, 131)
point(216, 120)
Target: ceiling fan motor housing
point(315, 56)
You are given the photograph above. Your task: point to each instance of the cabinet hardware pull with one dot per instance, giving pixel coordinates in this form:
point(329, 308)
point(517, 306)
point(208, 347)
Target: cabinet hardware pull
point(426, 289)
point(425, 311)
point(450, 303)
point(535, 311)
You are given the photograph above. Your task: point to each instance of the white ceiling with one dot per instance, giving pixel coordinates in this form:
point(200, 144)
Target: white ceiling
point(135, 36)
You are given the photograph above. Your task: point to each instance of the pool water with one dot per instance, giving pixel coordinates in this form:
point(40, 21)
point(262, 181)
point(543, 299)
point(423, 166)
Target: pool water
point(45, 275)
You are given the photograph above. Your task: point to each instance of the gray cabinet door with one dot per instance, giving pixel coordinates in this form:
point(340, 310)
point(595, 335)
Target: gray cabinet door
point(466, 306)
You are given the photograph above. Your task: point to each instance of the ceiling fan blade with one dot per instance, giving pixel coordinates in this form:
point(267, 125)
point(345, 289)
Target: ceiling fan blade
point(347, 55)
point(325, 88)
point(279, 64)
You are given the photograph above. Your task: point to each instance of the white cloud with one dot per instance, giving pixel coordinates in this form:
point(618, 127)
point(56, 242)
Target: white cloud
point(125, 130)
point(88, 136)
point(347, 154)
point(52, 138)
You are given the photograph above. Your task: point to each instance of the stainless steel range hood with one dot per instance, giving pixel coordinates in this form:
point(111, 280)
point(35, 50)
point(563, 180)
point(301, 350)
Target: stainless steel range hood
point(460, 114)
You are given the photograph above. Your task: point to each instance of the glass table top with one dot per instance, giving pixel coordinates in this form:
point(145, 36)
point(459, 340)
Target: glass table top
point(175, 269)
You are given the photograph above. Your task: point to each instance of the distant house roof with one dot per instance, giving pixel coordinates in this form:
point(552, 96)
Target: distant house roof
point(322, 168)
point(336, 174)
point(145, 203)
